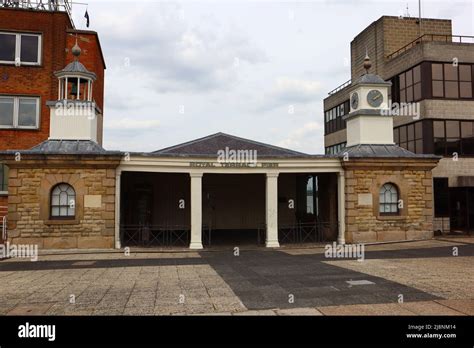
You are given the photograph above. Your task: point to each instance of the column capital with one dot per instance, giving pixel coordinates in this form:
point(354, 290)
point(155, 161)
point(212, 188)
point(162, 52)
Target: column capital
point(272, 175)
point(196, 175)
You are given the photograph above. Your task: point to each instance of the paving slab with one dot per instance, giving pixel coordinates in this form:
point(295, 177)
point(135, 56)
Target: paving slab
point(463, 306)
point(298, 311)
point(258, 282)
point(257, 312)
point(428, 308)
point(31, 309)
point(363, 309)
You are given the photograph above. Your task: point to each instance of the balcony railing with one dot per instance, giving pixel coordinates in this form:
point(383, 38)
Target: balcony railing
point(456, 39)
point(41, 5)
point(341, 87)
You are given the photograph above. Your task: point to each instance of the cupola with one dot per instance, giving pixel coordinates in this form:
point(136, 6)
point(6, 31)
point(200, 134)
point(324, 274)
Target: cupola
point(369, 121)
point(74, 115)
point(75, 81)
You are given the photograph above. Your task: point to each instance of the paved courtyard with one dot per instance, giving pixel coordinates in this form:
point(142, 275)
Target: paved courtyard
point(409, 278)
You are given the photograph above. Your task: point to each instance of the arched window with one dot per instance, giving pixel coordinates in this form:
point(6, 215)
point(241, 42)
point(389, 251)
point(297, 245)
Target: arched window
point(63, 202)
point(388, 202)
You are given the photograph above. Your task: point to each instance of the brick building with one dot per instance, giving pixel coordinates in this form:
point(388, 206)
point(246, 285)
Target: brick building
point(432, 75)
point(35, 42)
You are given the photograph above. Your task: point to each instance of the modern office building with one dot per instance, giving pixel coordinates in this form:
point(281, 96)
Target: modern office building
point(432, 75)
point(35, 41)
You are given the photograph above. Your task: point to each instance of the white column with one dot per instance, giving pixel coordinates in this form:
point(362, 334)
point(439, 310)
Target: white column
point(117, 209)
point(341, 207)
point(196, 211)
point(271, 205)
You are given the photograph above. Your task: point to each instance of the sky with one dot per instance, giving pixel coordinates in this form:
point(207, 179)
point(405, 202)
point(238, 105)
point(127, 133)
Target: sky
point(257, 69)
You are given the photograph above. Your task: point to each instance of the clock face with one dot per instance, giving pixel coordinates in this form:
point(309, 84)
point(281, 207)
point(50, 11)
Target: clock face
point(354, 100)
point(374, 98)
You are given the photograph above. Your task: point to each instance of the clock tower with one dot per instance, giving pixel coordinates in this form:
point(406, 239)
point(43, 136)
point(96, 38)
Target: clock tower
point(369, 121)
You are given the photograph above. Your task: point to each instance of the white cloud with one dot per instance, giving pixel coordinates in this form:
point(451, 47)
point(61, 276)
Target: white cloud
point(175, 56)
point(287, 91)
point(296, 89)
point(129, 124)
point(303, 137)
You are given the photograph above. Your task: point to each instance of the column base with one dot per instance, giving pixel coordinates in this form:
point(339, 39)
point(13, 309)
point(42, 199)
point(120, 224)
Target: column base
point(195, 246)
point(117, 244)
point(272, 244)
point(341, 241)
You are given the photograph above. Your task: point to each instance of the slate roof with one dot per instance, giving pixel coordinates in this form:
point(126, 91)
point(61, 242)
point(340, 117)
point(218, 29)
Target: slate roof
point(67, 147)
point(210, 145)
point(76, 67)
point(380, 151)
point(371, 79)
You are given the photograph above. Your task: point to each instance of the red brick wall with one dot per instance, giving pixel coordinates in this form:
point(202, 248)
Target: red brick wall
point(40, 81)
point(3, 203)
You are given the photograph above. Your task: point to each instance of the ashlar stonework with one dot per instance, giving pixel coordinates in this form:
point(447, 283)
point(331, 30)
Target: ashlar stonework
point(365, 177)
point(29, 218)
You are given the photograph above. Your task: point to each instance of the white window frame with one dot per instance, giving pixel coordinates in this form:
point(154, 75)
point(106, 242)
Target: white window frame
point(16, 109)
point(18, 48)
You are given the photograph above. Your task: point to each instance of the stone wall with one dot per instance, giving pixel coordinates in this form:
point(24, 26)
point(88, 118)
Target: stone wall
point(29, 207)
point(363, 221)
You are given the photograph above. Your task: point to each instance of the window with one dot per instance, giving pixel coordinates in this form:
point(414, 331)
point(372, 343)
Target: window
point(450, 81)
point(63, 202)
point(465, 81)
point(3, 178)
point(410, 137)
point(334, 118)
point(19, 112)
point(467, 138)
point(440, 137)
point(409, 86)
point(388, 202)
point(24, 48)
point(441, 197)
point(311, 195)
point(307, 205)
point(335, 149)
point(453, 136)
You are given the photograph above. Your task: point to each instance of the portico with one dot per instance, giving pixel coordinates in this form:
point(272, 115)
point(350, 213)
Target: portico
point(259, 202)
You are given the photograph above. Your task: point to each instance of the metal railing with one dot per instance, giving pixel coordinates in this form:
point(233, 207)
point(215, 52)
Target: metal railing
point(341, 87)
point(155, 235)
point(42, 5)
point(306, 232)
point(456, 39)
